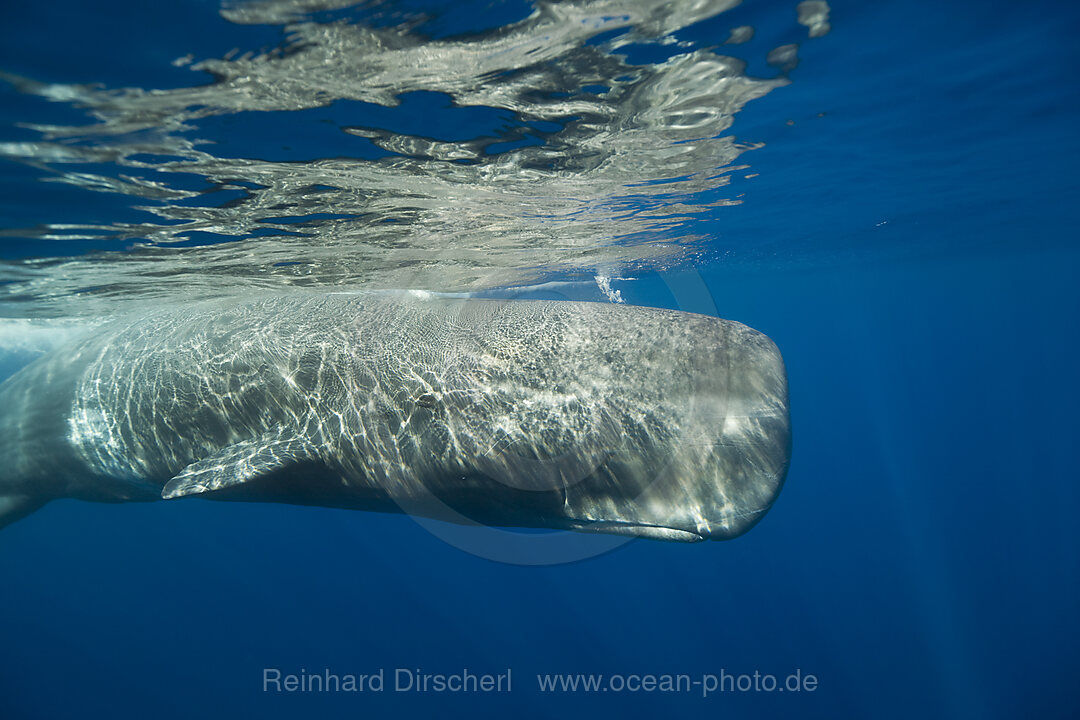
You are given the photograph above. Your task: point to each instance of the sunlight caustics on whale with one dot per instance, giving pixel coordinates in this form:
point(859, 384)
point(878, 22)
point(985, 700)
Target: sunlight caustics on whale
point(550, 414)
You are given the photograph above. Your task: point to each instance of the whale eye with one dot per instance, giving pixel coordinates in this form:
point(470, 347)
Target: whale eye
point(427, 400)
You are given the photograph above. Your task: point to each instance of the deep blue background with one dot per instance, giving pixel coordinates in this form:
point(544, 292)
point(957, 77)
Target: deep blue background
point(914, 254)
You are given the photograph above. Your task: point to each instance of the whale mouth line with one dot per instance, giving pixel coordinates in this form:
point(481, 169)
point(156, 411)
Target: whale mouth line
point(652, 532)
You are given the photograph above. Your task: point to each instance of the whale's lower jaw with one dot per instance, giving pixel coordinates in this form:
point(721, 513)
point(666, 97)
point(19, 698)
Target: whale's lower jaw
point(651, 532)
point(519, 508)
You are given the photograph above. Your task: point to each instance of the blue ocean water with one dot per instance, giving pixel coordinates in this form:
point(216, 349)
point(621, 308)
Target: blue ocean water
point(905, 231)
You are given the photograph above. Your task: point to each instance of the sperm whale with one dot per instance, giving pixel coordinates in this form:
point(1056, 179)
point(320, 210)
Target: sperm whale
point(550, 414)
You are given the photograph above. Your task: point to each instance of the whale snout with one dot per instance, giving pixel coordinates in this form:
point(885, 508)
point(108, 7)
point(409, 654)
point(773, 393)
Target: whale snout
point(713, 444)
point(736, 472)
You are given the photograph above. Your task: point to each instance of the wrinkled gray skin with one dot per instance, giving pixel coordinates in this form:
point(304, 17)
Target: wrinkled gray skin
point(573, 415)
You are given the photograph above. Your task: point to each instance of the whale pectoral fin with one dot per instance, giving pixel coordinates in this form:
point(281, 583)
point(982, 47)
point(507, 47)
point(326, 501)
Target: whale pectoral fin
point(16, 507)
point(241, 462)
